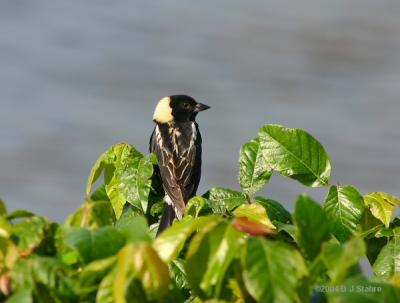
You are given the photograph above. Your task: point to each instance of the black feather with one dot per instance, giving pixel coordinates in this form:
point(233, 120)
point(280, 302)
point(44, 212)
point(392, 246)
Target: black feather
point(178, 149)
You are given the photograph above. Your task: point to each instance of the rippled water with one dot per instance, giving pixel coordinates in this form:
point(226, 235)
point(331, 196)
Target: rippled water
point(79, 76)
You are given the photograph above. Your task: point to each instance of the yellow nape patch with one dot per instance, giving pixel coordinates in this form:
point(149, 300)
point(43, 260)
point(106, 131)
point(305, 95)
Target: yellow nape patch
point(163, 112)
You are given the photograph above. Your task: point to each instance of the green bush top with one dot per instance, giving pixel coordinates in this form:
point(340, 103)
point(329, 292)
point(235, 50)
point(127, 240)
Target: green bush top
point(231, 246)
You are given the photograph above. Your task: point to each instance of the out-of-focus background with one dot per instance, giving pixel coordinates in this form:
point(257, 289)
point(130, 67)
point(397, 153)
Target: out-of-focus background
point(79, 76)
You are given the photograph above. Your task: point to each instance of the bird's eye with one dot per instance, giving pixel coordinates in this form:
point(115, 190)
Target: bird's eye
point(186, 105)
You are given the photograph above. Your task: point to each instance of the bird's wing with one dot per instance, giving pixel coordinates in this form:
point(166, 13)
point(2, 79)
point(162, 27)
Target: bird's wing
point(177, 164)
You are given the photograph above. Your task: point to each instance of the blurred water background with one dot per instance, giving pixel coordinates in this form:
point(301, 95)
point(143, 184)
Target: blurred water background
point(79, 76)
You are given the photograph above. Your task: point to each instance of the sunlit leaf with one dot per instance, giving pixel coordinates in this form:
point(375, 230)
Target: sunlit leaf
point(254, 212)
point(272, 271)
point(344, 206)
point(140, 261)
point(387, 263)
point(253, 228)
point(224, 200)
point(381, 206)
point(170, 241)
point(92, 214)
point(296, 154)
point(210, 253)
point(254, 172)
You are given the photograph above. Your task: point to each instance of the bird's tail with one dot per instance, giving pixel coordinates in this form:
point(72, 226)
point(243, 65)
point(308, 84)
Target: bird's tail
point(167, 217)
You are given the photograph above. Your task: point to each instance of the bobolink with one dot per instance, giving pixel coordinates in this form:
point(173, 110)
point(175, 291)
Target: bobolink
point(176, 141)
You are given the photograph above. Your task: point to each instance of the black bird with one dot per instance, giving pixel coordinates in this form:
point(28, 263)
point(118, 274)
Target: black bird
point(176, 141)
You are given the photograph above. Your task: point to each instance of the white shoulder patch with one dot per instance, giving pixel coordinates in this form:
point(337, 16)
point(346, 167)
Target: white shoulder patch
point(163, 111)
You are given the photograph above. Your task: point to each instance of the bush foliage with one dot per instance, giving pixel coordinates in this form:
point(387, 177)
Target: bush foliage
point(231, 246)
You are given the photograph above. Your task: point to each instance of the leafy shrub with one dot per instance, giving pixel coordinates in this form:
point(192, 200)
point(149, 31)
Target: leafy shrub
point(231, 246)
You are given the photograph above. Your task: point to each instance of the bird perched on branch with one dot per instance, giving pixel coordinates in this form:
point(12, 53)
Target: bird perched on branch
point(176, 141)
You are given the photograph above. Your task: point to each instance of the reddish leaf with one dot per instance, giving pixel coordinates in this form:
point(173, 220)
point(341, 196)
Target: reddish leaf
point(251, 227)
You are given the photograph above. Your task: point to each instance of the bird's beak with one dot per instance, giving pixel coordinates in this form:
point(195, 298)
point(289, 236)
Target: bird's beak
point(200, 107)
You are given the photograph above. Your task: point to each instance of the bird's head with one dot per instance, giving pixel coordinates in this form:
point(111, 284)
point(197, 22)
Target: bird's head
point(177, 108)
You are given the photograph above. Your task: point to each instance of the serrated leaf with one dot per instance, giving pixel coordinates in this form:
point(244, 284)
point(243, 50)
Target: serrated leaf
point(381, 206)
point(387, 263)
point(296, 154)
point(223, 200)
point(272, 271)
point(254, 173)
point(312, 226)
point(344, 207)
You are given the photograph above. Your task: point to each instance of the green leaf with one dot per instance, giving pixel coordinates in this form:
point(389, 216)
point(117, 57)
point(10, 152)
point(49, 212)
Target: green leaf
point(374, 247)
point(170, 242)
point(363, 290)
point(344, 206)
point(340, 258)
point(254, 172)
point(35, 234)
point(100, 194)
point(46, 277)
point(89, 245)
point(134, 228)
point(224, 200)
point(275, 210)
point(210, 253)
point(127, 176)
point(290, 229)
point(92, 214)
point(254, 212)
point(22, 296)
point(195, 206)
point(105, 162)
point(18, 214)
point(387, 263)
point(140, 261)
point(131, 183)
point(272, 271)
point(381, 205)
point(296, 154)
point(92, 274)
point(178, 271)
point(3, 209)
point(105, 292)
point(312, 226)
